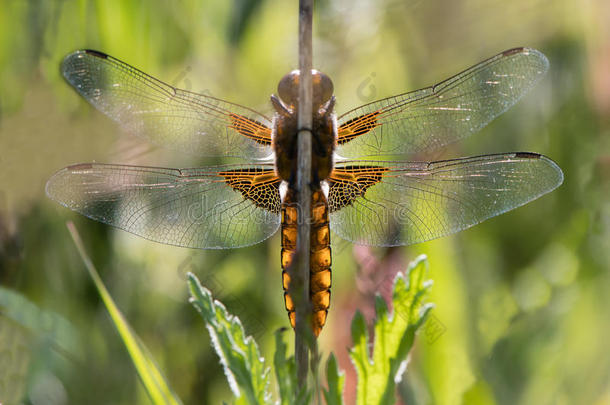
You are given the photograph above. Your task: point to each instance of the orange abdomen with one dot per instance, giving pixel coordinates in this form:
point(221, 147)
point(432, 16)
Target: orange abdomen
point(319, 256)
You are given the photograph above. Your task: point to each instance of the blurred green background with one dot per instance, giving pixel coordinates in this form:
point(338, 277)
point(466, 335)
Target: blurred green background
point(522, 301)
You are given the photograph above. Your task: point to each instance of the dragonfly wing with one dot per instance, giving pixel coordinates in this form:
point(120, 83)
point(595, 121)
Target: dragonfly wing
point(390, 204)
point(212, 208)
point(429, 118)
point(167, 116)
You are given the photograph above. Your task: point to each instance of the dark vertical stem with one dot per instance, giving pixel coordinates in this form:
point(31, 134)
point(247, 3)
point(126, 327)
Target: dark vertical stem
point(304, 190)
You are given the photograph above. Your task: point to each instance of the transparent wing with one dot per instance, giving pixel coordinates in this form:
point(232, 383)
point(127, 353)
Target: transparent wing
point(390, 204)
point(197, 208)
point(429, 118)
point(165, 115)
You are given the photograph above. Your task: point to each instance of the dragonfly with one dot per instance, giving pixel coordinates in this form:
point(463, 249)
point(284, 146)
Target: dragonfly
point(367, 187)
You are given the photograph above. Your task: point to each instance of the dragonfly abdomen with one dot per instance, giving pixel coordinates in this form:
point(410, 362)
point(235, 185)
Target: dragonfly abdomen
point(319, 256)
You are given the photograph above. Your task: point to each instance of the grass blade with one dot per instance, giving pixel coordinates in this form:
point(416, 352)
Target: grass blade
point(151, 376)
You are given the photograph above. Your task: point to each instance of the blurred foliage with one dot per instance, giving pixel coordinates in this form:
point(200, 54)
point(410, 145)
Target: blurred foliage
point(28, 334)
point(522, 303)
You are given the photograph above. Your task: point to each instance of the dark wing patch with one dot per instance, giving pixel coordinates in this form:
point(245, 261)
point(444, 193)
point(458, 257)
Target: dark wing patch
point(251, 128)
point(350, 182)
point(260, 186)
point(357, 126)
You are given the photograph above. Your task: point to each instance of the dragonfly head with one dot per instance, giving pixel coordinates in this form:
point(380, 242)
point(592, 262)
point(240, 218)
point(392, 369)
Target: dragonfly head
point(288, 89)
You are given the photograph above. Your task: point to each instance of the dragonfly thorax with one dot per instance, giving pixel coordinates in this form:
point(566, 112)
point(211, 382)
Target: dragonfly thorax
point(285, 128)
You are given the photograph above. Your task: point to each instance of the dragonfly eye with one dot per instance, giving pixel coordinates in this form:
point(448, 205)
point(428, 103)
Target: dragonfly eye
point(322, 88)
point(288, 89)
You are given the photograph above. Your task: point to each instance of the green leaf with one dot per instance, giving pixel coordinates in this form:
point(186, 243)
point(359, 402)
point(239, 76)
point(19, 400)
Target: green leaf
point(285, 370)
point(359, 338)
point(291, 392)
point(334, 395)
point(394, 335)
point(243, 365)
point(151, 376)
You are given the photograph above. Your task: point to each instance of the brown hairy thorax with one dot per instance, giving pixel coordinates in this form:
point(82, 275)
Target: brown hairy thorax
point(285, 129)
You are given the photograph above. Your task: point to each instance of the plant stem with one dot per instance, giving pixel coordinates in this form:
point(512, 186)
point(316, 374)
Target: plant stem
point(304, 191)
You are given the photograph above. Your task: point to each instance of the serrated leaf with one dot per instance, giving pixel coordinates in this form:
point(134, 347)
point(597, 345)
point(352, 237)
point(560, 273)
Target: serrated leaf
point(394, 335)
point(243, 365)
point(335, 380)
point(151, 376)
